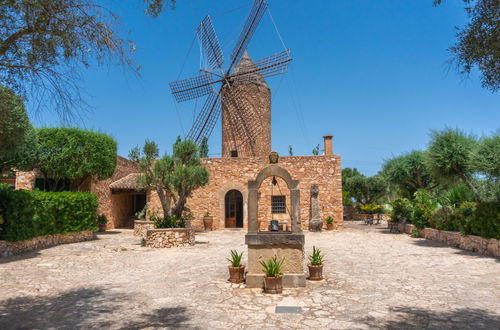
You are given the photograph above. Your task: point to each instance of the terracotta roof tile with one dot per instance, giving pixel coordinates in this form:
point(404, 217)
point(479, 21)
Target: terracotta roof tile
point(127, 182)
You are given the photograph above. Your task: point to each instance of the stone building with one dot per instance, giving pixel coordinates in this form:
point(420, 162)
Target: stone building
point(225, 198)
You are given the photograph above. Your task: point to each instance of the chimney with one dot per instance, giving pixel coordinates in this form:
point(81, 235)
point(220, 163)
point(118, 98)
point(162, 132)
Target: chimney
point(328, 145)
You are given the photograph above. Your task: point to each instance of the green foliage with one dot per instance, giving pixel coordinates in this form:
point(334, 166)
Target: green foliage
point(464, 216)
point(477, 43)
point(365, 190)
point(424, 205)
point(401, 208)
point(29, 214)
point(459, 194)
point(273, 267)
point(235, 258)
point(450, 156)
point(290, 150)
point(174, 177)
point(444, 219)
point(315, 151)
point(316, 258)
point(408, 173)
point(204, 148)
point(371, 209)
point(155, 7)
point(73, 153)
point(102, 220)
point(142, 213)
point(487, 157)
point(329, 220)
point(486, 220)
point(415, 233)
point(346, 198)
point(17, 136)
point(171, 221)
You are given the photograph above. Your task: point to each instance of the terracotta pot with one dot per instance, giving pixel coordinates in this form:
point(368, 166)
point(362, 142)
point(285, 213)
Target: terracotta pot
point(273, 284)
point(102, 227)
point(329, 226)
point(236, 274)
point(208, 222)
point(315, 272)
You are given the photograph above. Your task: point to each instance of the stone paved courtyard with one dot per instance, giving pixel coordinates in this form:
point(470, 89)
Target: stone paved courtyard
point(373, 280)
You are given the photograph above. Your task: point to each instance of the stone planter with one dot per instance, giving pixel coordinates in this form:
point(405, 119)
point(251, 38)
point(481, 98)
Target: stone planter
point(141, 226)
point(273, 284)
point(208, 222)
point(315, 272)
point(236, 274)
point(169, 237)
point(315, 225)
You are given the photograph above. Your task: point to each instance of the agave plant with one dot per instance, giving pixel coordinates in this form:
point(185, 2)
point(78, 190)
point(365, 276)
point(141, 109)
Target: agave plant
point(273, 267)
point(316, 258)
point(235, 259)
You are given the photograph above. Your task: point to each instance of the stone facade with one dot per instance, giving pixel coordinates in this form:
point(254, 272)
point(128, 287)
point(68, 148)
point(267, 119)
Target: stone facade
point(41, 242)
point(484, 246)
point(169, 237)
point(234, 173)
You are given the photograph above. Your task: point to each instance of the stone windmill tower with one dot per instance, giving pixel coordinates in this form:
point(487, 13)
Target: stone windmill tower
point(239, 92)
point(258, 96)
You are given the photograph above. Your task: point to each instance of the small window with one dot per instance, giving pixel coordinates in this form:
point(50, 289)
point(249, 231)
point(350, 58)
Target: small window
point(278, 204)
point(234, 153)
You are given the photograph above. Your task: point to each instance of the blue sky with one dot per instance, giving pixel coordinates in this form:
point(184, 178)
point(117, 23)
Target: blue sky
point(375, 74)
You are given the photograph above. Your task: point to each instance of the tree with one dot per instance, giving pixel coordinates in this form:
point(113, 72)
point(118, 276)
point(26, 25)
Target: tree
point(17, 136)
point(486, 159)
point(408, 173)
point(450, 157)
point(478, 42)
point(204, 148)
point(173, 177)
point(74, 154)
point(365, 190)
point(315, 151)
point(45, 43)
point(290, 150)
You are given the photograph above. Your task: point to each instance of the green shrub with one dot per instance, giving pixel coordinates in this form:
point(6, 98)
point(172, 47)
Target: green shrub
point(273, 267)
point(235, 258)
point(371, 209)
point(444, 219)
point(168, 222)
point(17, 211)
point(424, 205)
point(329, 220)
point(316, 258)
point(464, 216)
point(486, 220)
point(29, 214)
point(401, 208)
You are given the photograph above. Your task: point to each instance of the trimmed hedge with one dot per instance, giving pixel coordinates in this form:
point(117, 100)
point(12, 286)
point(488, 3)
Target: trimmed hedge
point(28, 214)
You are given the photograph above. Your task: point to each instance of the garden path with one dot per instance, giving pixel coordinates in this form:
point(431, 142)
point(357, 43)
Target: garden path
point(373, 280)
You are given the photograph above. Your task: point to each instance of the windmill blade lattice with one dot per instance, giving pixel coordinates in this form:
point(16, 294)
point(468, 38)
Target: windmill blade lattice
point(206, 119)
point(267, 67)
point(192, 88)
point(253, 20)
point(210, 43)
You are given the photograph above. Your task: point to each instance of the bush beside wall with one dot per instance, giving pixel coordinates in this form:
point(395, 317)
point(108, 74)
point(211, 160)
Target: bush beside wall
point(28, 214)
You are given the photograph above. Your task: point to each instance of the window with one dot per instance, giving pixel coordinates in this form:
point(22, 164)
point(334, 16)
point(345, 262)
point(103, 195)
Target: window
point(234, 153)
point(278, 204)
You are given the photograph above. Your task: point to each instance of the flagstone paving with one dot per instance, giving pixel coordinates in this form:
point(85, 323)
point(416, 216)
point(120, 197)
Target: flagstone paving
point(373, 280)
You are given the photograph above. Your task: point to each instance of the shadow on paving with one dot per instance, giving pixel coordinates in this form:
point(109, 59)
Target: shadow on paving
point(84, 308)
point(436, 244)
point(27, 255)
point(416, 318)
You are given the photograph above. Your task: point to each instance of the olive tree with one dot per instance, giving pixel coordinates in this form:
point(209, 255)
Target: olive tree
point(486, 159)
point(173, 177)
point(365, 190)
point(17, 136)
point(74, 154)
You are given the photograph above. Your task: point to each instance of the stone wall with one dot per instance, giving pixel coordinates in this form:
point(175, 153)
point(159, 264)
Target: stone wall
point(41, 242)
point(141, 226)
point(234, 173)
point(484, 246)
point(169, 237)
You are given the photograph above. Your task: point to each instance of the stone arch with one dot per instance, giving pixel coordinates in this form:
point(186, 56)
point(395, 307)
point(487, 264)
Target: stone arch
point(221, 196)
point(253, 190)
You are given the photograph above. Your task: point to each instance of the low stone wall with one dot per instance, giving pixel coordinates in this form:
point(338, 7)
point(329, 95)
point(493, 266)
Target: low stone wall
point(41, 242)
point(141, 226)
point(484, 246)
point(169, 237)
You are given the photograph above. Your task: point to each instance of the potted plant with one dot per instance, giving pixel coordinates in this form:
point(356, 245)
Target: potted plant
point(208, 221)
point(329, 223)
point(315, 265)
point(273, 270)
point(101, 222)
point(236, 269)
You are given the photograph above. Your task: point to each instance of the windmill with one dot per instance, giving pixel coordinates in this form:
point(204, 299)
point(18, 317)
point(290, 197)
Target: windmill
point(218, 84)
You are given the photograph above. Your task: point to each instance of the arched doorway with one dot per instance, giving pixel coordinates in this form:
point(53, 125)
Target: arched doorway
point(234, 209)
